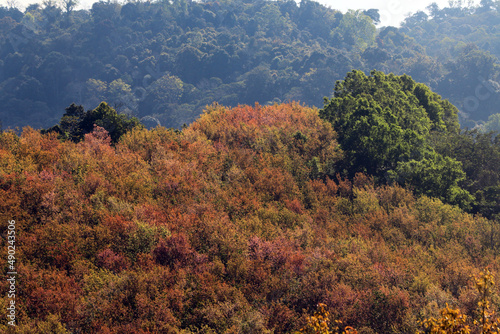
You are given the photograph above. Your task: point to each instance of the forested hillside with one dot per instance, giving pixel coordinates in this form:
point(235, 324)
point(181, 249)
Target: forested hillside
point(250, 209)
point(168, 60)
point(465, 42)
point(237, 224)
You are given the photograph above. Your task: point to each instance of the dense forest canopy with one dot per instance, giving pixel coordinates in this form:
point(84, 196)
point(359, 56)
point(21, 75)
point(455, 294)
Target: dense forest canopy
point(165, 61)
point(246, 212)
point(233, 225)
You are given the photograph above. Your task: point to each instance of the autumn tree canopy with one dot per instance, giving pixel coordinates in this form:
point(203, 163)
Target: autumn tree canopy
point(234, 224)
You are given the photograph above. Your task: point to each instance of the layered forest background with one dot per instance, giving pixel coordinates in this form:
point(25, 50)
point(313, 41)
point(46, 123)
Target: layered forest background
point(168, 60)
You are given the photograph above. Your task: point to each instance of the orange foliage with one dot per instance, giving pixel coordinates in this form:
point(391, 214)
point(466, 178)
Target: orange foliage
point(320, 323)
point(234, 225)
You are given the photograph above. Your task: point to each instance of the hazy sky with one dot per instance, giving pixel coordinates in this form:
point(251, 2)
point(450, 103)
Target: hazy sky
point(392, 12)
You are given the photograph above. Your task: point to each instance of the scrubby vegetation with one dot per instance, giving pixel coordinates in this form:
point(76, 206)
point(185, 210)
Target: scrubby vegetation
point(369, 215)
point(233, 225)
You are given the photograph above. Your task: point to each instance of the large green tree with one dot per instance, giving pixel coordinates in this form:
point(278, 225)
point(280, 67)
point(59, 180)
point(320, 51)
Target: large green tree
point(384, 123)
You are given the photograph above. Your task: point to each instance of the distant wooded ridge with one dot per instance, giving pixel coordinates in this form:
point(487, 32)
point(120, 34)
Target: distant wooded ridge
point(165, 61)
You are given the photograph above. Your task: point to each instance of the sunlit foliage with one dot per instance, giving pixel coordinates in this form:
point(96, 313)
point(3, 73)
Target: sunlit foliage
point(454, 321)
point(237, 224)
point(320, 323)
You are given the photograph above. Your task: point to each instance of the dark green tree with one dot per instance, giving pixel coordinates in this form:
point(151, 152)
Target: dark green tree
point(106, 117)
point(373, 14)
point(384, 124)
point(479, 154)
point(435, 176)
point(76, 122)
point(71, 121)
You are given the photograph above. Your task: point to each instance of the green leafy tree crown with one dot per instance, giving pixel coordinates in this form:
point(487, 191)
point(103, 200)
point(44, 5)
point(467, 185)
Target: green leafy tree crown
point(76, 122)
point(384, 122)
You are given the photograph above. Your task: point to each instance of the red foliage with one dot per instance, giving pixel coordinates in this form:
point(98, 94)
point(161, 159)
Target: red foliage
point(49, 292)
point(174, 252)
point(295, 206)
point(344, 187)
point(230, 226)
point(111, 260)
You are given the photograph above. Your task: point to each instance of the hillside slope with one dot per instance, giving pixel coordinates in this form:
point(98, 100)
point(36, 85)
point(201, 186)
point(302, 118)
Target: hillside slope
point(229, 226)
